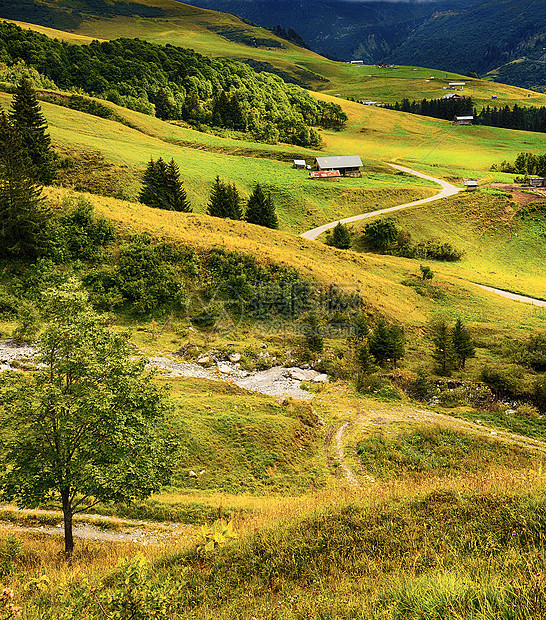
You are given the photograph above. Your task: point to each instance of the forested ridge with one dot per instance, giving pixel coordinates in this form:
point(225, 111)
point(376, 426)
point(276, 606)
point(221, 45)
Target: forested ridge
point(177, 83)
point(515, 117)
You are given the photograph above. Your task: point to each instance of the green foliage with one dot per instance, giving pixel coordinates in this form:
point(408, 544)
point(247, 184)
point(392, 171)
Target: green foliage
point(183, 84)
point(462, 345)
point(260, 209)
point(426, 272)
point(215, 536)
point(313, 332)
point(10, 552)
point(340, 237)
point(28, 120)
point(443, 355)
point(28, 322)
point(387, 342)
point(163, 187)
point(421, 387)
point(23, 213)
point(380, 235)
point(430, 451)
point(224, 201)
point(499, 379)
point(87, 427)
point(137, 598)
point(76, 232)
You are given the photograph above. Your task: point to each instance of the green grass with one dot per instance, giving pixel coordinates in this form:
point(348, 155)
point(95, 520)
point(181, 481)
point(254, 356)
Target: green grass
point(243, 441)
point(427, 451)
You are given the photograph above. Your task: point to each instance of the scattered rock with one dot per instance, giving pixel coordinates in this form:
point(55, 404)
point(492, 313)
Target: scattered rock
point(192, 474)
point(234, 357)
point(263, 345)
point(224, 369)
point(204, 359)
point(283, 402)
point(320, 379)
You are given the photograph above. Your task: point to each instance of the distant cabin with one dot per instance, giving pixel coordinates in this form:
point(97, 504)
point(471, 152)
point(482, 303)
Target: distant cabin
point(347, 165)
point(300, 163)
point(464, 120)
point(470, 185)
point(367, 102)
point(357, 62)
point(460, 85)
point(452, 96)
point(537, 181)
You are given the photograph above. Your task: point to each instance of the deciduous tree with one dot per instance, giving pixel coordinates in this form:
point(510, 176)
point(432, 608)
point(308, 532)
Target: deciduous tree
point(87, 427)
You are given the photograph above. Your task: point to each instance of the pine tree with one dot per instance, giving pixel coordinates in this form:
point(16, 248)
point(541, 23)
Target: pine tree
point(313, 332)
point(162, 187)
point(163, 108)
point(387, 343)
point(23, 215)
point(260, 209)
point(443, 349)
point(461, 341)
point(224, 201)
point(174, 189)
point(26, 115)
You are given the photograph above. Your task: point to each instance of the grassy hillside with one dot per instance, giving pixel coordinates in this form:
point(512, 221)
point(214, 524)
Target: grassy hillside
point(195, 28)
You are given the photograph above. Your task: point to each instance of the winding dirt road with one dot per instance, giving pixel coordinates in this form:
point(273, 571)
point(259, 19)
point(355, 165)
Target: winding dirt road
point(447, 190)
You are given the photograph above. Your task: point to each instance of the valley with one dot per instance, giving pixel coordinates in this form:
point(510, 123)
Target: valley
point(334, 427)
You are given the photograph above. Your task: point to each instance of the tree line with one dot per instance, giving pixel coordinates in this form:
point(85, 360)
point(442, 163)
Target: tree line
point(525, 164)
point(176, 83)
point(515, 117)
point(163, 189)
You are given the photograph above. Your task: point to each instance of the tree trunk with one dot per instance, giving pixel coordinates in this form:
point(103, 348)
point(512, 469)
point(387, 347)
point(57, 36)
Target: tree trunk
point(67, 513)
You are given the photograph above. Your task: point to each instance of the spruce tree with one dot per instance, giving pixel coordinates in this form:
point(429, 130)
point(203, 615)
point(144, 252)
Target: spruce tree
point(174, 189)
point(163, 108)
point(224, 201)
point(443, 348)
point(387, 343)
point(26, 115)
point(461, 341)
point(162, 187)
point(260, 209)
point(23, 215)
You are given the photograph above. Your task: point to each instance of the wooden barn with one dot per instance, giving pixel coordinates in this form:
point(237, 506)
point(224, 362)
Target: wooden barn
point(347, 165)
point(464, 120)
point(537, 181)
point(471, 185)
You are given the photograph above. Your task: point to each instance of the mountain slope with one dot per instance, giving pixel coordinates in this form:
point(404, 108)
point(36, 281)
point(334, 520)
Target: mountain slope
point(453, 35)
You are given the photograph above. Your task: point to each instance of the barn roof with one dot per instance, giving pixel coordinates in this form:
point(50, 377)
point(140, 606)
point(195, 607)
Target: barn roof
point(339, 161)
point(299, 162)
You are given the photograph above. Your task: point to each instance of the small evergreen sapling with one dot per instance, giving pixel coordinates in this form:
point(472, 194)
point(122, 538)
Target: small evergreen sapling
point(340, 237)
point(461, 341)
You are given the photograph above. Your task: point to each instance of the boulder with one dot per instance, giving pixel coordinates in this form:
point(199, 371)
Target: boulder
point(225, 369)
point(192, 474)
point(320, 379)
point(234, 357)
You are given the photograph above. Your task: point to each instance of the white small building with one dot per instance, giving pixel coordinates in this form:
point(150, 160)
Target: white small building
point(367, 102)
point(299, 163)
point(460, 85)
point(471, 185)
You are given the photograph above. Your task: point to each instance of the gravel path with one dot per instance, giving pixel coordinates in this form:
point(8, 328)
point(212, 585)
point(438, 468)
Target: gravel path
point(514, 296)
point(447, 190)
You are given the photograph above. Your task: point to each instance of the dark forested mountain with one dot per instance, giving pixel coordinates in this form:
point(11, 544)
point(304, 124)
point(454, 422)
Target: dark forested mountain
point(454, 35)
